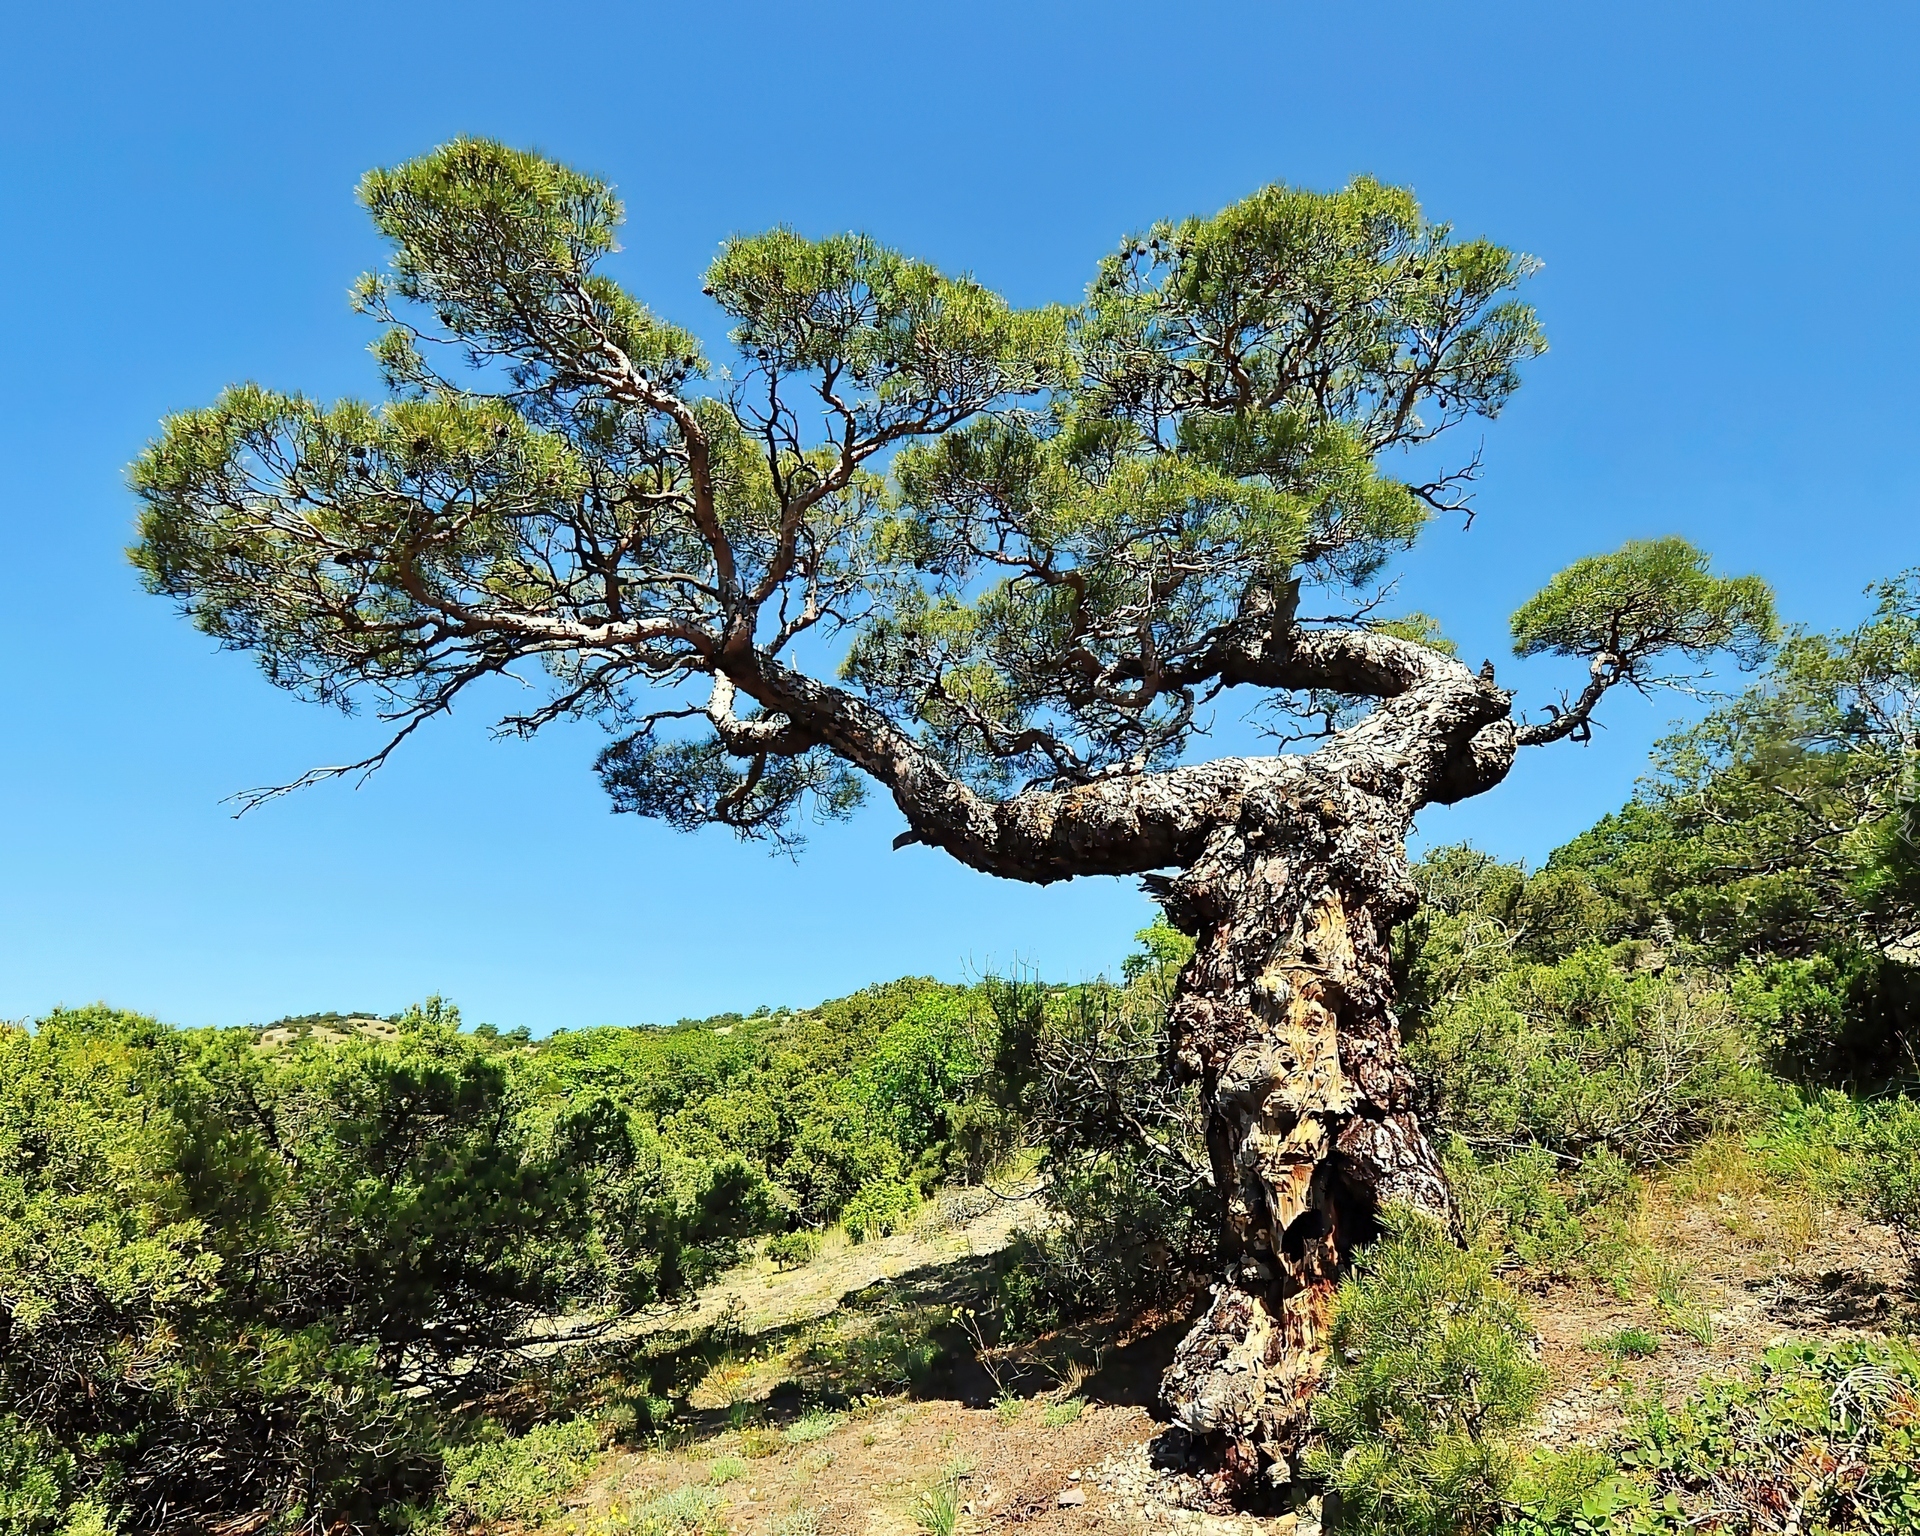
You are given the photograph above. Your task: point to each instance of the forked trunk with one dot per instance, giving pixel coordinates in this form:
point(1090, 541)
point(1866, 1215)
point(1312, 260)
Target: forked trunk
point(1285, 1018)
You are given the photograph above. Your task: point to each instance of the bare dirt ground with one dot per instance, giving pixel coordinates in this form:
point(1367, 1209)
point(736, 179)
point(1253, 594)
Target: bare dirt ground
point(801, 1431)
point(1743, 1271)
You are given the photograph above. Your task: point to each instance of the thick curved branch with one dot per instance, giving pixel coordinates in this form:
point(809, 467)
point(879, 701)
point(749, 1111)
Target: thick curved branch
point(1576, 719)
point(777, 735)
point(1126, 825)
point(1437, 732)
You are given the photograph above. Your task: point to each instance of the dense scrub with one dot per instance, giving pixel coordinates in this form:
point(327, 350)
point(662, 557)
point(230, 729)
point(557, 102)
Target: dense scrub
point(239, 1270)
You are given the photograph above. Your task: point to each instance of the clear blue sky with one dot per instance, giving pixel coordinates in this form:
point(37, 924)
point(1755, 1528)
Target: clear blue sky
point(1724, 197)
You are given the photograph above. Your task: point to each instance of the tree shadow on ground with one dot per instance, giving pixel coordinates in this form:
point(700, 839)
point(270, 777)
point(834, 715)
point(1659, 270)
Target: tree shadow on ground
point(1843, 1298)
point(909, 1334)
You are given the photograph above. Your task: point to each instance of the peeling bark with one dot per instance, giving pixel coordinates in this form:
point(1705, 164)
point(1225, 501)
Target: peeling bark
point(1285, 1018)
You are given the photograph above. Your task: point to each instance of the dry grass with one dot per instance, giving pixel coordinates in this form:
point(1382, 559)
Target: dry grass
point(820, 1420)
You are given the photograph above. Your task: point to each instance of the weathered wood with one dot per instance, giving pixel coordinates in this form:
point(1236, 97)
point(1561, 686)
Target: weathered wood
point(1285, 1018)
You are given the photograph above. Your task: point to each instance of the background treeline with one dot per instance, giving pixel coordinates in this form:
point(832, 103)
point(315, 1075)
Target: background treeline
point(285, 1271)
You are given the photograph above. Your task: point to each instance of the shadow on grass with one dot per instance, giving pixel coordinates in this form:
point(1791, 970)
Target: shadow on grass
point(889, 1338)
point(1846, 1298)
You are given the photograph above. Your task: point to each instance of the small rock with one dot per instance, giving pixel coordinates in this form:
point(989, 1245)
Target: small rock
point(1073, 1477)
point(1072, 1496)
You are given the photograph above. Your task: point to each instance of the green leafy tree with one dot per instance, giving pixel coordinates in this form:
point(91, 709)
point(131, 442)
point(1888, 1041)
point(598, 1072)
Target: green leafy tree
point(1039, 543)
point(1783, 832)
point(219, 1259)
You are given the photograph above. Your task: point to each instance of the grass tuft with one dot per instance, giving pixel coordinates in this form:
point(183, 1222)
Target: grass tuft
point(812, 1426)
point(1627, 1344)
point(937, 1511)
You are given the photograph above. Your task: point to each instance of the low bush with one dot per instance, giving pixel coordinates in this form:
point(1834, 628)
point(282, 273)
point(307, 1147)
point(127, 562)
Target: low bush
point(1434, 1383)
point(880, 1209)
point(1433, 1377)
point(38, 1483)
point(789, 1250)
point(518, 1477)
point(1530, 1210)
point(223, 1252)
point(1126, 1176)
point(1840, 1147)
point(1829, 1431)
point(1820, 1438)
point(1843, 1014)
point(1121, 1245)
point(1890, 1172)
point(1581, 1054)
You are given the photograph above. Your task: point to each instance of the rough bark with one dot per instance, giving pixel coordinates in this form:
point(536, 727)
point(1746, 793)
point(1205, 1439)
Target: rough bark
point(1285, 1017)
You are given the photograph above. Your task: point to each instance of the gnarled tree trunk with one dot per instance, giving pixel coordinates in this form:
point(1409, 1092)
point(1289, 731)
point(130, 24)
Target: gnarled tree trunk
point(1285, 1018)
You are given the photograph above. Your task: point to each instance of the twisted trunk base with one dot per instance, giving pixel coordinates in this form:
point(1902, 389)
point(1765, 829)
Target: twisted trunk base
point(1284, 1016)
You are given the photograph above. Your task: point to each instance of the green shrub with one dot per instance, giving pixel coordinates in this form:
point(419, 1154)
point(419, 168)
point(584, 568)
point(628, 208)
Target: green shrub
point(1824, 1015)
point(1813, 1144)
point(1580, 1054)
point(1126, 1174)
point(1830, 1430)
point(1122, 1244)
point(789, 1250)
point(519, 1477)
point(174, 1312)
point(1432, 1376)
point(879, 1209)
point(219, 1250)
point(1890, 1171)
point(1529, 1210)
point(37, 1482)
point(317, 1424)
point(1840, 1147)
point(1576, 1492)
